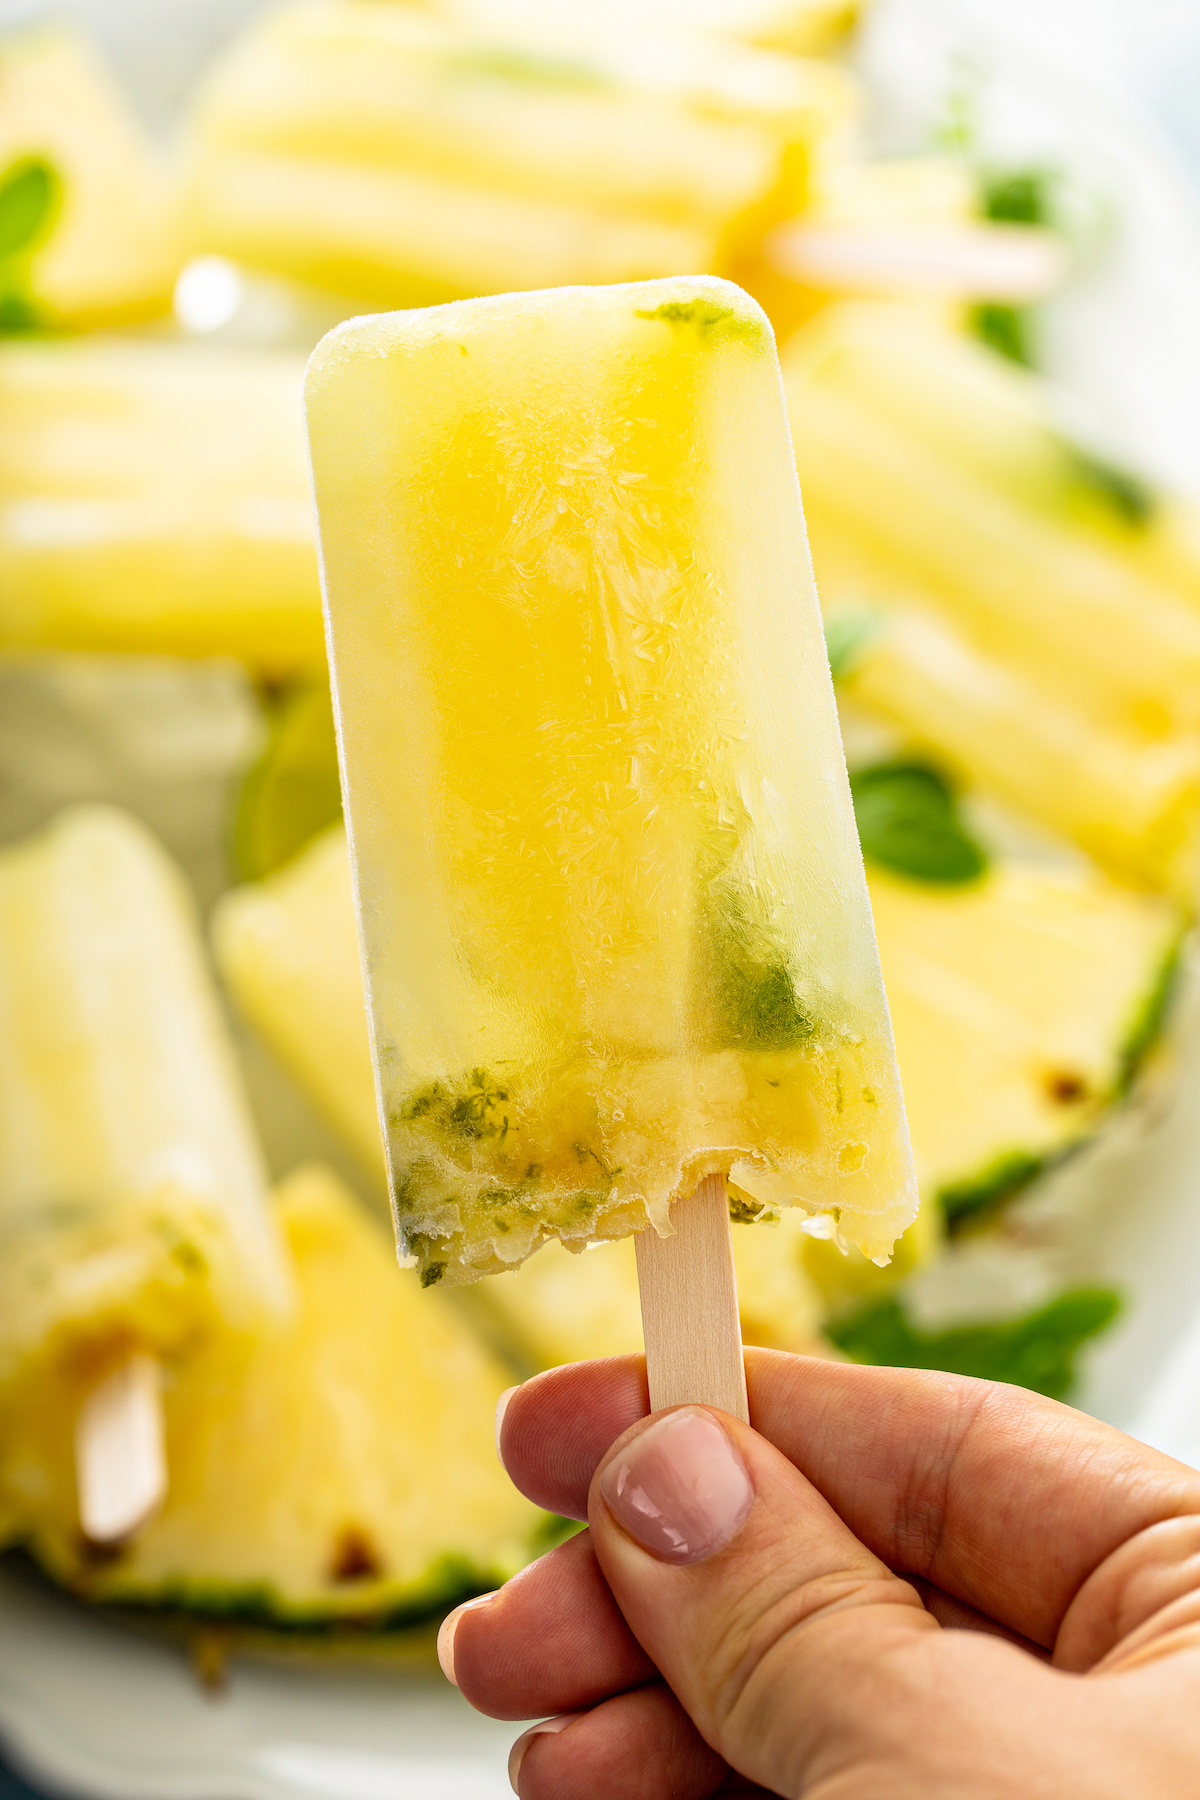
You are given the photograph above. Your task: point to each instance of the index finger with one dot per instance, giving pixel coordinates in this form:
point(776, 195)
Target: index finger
point(1001, 1498)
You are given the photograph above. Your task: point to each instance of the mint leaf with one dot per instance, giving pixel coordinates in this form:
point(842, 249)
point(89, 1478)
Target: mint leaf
point(1018, 196)
point(30, 191)
point(1005, 329)
point(847, 633)
point(1037, 1350)
point(908, 822)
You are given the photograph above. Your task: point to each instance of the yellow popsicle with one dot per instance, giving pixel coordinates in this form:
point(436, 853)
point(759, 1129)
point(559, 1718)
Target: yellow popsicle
point(615, 929)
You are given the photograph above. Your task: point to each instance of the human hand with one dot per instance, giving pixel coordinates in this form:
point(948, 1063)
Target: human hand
point(899, 1586)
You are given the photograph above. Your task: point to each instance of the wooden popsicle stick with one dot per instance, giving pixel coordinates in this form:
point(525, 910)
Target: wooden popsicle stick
point(690, 1309)
point(120, 1456)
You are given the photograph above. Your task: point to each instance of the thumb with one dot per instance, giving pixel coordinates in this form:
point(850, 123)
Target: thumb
point(765, 1614)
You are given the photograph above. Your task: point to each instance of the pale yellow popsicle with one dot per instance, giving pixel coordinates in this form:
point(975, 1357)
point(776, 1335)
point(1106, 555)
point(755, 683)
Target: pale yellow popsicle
point(154, 497)
point(614, 922)
point(377, 150)
point(133, 1206)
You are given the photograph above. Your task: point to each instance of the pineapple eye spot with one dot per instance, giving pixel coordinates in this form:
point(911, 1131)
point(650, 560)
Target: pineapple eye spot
point(851, 1158)
point(1066, 1087)
point(355, 1557)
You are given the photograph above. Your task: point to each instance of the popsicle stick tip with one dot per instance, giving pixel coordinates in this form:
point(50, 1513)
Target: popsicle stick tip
point(120, 1452)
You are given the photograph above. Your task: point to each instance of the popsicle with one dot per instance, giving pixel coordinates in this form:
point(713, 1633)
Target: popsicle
point(311, 1488)
point(90, 230)
point(805, 27)
point(133, 1211)
point(1133, 806)
point(615, 929)
point(154, 497)
point(380, 151)
point(873, 418)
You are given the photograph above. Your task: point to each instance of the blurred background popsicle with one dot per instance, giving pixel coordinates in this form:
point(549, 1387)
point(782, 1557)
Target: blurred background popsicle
point(132, 1194)
point(153, 497)
point(383, 152)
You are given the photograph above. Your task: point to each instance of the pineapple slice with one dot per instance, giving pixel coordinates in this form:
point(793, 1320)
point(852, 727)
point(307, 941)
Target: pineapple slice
point(154, 497)
point(98, 238)
point(287, 949)
point(1021, 1005)
point(343, 1471)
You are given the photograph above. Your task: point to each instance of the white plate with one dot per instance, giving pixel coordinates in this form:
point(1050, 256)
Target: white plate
point(91, 1708)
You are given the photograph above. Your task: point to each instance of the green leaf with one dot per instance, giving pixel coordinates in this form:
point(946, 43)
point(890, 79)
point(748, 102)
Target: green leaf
point(1005, 329)
point(908, 822)
point(847, 633)
point(1037, 1350)
point(1018, 196)
point(293, 790)
point(30, 191)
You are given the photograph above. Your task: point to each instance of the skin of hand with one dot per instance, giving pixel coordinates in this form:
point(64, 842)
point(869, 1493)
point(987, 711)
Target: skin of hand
point(899, 1585)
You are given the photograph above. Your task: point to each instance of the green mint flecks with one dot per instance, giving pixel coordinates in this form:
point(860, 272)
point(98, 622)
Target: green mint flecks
point(477, 1109)
point(847, 634)
point(908, 821)
point(1037, 1350)
point(705, 317)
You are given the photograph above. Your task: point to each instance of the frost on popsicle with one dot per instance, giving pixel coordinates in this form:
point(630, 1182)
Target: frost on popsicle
point(615, 928)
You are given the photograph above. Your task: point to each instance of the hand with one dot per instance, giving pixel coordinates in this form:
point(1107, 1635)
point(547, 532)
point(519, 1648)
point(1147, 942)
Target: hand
point(899, 1586)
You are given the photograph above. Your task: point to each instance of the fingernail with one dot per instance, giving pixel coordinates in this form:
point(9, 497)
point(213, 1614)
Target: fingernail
point(447, 1629)
point(516, 1755)
point(680, 1489)
point(501, 1409)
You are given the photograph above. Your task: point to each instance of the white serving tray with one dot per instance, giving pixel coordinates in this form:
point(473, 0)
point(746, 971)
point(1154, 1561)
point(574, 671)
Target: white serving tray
point(90, 1707)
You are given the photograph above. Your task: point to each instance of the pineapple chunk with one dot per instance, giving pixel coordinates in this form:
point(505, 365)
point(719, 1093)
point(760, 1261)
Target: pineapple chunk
point(341, 1470)
point(1021, 1005)
point(287, 949)
point(107, 244)
point(133, 1210)
point(154, 497)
